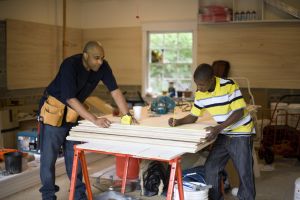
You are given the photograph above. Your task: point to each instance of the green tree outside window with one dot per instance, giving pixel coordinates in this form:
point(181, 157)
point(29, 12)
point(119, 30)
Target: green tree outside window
point(170, 60)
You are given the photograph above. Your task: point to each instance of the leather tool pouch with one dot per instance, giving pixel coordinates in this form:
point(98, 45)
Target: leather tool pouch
point(52, 111)
point(72, 115)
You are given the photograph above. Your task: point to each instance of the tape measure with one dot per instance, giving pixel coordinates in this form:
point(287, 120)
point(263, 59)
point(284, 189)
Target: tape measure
point(126, 119)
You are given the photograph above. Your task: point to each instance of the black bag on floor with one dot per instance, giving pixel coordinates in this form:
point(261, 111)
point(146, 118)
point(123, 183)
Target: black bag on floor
point(155, 175)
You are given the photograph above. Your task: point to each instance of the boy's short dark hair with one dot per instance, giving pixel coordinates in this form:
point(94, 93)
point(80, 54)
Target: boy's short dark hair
point(203, 72)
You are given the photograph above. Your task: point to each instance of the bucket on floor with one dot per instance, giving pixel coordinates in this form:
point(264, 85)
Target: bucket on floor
point(13, 162)
point(191, 194)
point(111, 195)
point(133, 167)
point(297, 189)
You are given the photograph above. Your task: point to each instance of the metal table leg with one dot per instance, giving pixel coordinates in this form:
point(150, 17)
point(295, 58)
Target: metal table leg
point(85, 174)
point(74, 173)
point(175, 171)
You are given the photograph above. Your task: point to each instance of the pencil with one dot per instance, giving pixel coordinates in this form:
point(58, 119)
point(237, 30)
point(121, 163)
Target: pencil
point(174, 116)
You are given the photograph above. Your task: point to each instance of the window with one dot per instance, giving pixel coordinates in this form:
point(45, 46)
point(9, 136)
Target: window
point(174, 49)
point(170, 59)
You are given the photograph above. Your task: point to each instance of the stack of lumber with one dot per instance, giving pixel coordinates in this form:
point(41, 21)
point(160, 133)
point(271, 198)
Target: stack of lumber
point(184, 138)
point(97, 105)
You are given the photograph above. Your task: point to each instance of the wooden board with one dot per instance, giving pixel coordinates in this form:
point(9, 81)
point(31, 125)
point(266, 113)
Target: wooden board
point(137, 133)
point(137, 150)
point(138, 140)
point(162, 126)
point(34, 52)
point(123, 50)
point(151, 133)
point(180, 134)
point(266, 53)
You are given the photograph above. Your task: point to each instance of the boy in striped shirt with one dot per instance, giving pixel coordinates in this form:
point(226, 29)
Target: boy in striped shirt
point(224, 101)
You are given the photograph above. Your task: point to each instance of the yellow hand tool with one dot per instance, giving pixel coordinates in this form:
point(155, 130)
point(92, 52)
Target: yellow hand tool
point(126, 119)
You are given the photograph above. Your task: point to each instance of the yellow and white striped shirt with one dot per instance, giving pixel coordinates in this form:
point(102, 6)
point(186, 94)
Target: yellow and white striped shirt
point(221, 103)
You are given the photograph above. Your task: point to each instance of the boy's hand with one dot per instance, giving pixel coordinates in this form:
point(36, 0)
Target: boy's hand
point(173, 122)
point(213, 132)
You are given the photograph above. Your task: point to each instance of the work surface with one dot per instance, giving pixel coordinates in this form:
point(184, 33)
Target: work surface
point(152, 137)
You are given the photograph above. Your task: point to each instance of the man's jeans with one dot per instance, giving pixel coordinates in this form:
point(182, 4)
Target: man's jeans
point(239, 149)
point(52, 138)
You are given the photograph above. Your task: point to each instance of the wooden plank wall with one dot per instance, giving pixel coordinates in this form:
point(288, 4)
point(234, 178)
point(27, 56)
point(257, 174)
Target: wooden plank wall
point(266, 53)
point(123, 50)
point(34, 52)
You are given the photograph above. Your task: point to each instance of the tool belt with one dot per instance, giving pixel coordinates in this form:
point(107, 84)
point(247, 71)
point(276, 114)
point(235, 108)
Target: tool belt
point(53, 110)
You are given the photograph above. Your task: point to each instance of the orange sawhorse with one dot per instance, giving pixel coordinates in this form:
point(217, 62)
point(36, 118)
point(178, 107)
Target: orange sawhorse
point(79, 154)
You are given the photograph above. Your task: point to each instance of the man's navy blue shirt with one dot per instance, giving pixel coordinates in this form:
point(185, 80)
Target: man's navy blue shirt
point(74, 81)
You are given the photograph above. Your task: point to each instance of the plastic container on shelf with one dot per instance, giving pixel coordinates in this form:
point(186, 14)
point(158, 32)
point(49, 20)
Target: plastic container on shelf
point(237, 16)
point(242, 16)
point(248, 15)
point(253, 15)
point(215, 13)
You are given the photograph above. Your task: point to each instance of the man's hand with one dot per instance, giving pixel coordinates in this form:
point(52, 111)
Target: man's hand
point(134, 121)
point(102, 122)
point(173, 122)
point(213, 132)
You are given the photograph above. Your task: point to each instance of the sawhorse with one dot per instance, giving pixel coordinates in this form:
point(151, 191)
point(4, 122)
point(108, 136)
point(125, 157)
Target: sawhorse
point(79, 151)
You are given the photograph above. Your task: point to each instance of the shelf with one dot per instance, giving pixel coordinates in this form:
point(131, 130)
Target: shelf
point(251, 22)
point(261, 7)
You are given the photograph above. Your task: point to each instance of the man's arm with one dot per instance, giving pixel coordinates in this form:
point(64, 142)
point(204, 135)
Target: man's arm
point(189, 119)
point(80, 109)
point(120, 101)
point(233, 118)
point(122, 104)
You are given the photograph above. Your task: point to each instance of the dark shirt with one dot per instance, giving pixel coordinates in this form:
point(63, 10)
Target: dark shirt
point(74, 81)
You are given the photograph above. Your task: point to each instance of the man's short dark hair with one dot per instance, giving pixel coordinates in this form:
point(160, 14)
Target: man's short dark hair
point(203, 72)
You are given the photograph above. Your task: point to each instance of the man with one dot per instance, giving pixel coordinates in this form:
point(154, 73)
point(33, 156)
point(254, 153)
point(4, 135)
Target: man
point(60, 106)
point(223, 100)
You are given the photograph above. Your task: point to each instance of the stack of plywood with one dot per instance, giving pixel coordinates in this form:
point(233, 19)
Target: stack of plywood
point(184, 138)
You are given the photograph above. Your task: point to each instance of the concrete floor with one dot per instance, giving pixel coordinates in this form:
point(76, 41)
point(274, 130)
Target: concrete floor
point(272, 185)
